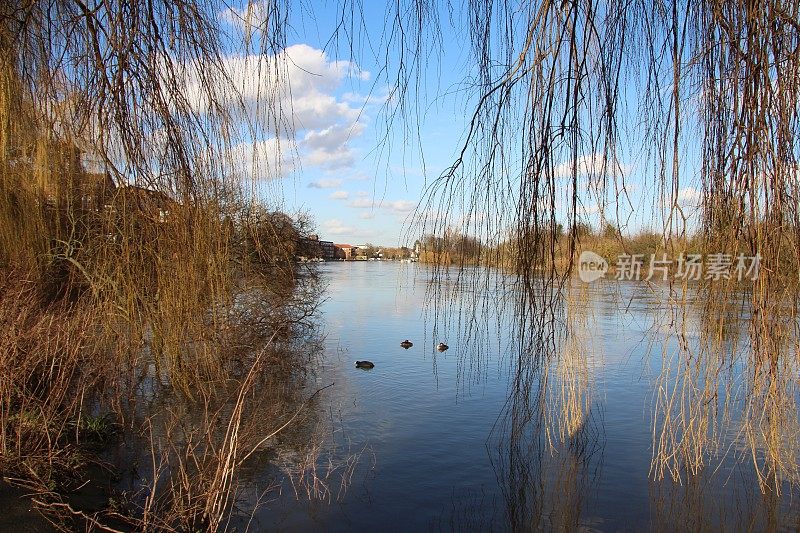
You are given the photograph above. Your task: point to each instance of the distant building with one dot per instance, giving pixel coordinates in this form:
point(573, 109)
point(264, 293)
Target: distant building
point(90, 191)
point(95, 190)
point(328, 250)
point(149, 203)
point(309, 247)
point(312, 248)
point(345, 251)
point(366, 252)
point(416, 251)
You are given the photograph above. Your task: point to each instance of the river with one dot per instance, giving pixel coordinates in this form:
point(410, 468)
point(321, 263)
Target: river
point(429, 438)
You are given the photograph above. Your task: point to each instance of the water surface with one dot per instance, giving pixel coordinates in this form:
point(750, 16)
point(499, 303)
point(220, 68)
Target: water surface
point(435, 449)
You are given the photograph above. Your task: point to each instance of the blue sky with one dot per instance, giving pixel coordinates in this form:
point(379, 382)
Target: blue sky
point(359, 177)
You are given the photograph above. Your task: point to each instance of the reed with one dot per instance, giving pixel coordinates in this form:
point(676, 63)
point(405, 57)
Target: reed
point(48, 372)
point(132, 258)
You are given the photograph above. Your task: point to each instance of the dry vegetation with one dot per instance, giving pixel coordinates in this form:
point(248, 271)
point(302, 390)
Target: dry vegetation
point(144, 293)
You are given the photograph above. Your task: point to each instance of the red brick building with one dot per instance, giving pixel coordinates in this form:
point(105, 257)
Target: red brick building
point(345, 251)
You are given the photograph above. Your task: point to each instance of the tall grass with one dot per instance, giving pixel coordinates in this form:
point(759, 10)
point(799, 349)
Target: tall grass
point(133, 260)
point(49, 371)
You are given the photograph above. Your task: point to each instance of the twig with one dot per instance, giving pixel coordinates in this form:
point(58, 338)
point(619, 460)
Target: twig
point(265, 439)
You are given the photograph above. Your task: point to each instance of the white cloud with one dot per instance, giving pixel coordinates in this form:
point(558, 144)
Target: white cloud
point(265, 160)
point(339, 195)
point(591, 209)
point(335, 226)
point(297, 83)
point(591, 165)
point(253, 15)
point(329, 148)
point(399, 206)
point(367, 215)
point(291, 95)
point(331, 183)
point(361, 203)
point(690, 196)
point(395, 206)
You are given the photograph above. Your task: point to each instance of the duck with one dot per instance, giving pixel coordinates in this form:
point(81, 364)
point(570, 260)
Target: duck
point(365, 364)
point(406, 344)
point(442, 347)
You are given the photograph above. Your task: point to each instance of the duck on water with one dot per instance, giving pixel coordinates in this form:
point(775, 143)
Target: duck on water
point(366, 365)
point(406, 344)
point(442, 347)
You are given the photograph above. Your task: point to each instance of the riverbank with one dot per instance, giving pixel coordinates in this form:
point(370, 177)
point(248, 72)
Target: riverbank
point(75, 400)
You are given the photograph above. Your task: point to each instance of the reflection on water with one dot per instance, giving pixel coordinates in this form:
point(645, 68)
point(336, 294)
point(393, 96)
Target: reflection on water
point(459, 440)
point(618, 419)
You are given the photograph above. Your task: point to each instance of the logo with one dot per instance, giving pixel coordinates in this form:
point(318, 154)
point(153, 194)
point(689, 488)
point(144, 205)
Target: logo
point(591, 267)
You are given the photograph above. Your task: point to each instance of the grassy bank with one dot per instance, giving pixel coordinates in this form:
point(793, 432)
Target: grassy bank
point(198, 307)
point(135, 267)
